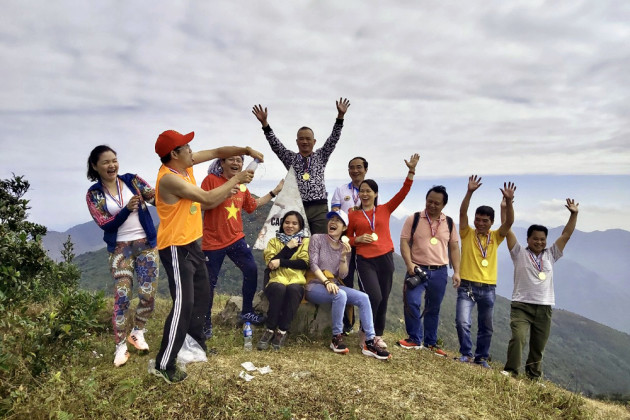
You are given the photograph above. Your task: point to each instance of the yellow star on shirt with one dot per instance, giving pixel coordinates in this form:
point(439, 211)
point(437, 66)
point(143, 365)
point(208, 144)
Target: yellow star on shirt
point(232, 211)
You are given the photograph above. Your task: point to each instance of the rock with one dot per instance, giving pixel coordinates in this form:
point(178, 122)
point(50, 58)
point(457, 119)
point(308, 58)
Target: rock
point(310, 320)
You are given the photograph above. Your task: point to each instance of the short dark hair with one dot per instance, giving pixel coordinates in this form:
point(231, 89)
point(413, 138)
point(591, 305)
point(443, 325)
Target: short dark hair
point(365, 163)
point(440, 189)
point(536, 228)
point(292, 213)
point(374, 186)
point(95, 154)
point(307, 128)
point(167, 157)
point(485, 211)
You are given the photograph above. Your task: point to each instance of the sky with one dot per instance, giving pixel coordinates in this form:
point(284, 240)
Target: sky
point(531, 91)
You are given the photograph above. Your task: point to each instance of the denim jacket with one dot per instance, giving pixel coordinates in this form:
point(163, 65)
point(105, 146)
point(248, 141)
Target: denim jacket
point(98, 209)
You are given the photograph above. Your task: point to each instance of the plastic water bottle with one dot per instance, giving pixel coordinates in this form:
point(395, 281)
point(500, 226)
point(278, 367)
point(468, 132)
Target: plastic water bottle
point(252, 165)
point(247, 336)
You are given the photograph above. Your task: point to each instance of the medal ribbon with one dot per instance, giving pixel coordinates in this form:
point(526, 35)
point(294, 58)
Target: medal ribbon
point(373, 221)
point(180, 174)
point(480, 246)
point(355, 199)
point(434, 231)
point(536, 261)
point(307, 165)
point(120, 201)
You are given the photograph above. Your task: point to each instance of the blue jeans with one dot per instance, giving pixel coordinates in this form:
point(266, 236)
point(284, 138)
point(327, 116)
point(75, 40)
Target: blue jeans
point(316, 293)
point(467, 297)
point(435, 287)
point(240, 253)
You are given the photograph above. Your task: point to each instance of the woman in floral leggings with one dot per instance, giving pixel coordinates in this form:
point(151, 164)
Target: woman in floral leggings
point(118, 205)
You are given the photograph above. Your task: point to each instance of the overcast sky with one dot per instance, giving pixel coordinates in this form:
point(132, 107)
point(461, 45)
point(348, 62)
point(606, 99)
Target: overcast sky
point(505, 88)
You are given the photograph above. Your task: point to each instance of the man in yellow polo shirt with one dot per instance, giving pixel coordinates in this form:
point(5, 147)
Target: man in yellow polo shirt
point(179, 202)
point(479, 271)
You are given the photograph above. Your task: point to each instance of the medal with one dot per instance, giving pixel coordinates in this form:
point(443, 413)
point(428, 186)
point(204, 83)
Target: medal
point(345, 239)
point(542, 276)
point(484, 251)
point(242, 187)
point(193, 208)
point(484, 262)
point(306, 176)
point(537, 262)
point(374, 236)
point(434, 241)
point(371, 222)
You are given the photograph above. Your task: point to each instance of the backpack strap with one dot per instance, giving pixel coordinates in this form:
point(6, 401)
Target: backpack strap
point(449, 221)
point(416, 219)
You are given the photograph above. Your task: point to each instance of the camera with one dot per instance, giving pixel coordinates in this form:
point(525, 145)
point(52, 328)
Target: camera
point(419, 277)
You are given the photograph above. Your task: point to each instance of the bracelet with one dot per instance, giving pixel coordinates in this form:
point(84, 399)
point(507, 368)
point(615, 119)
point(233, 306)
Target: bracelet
point(327, 282)
point(272, 194)
point(412, 172)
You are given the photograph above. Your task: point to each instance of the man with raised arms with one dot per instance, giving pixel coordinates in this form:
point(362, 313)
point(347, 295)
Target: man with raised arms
point(179, 202)
point(479, 272)
point(309, 166)
point(533, 294)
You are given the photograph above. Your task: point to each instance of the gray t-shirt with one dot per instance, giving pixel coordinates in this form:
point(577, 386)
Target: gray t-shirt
point(528, 286)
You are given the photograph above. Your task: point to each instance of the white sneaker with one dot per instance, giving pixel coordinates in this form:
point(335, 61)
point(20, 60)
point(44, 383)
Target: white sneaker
point(137, 339)
point(121, 355)
point(379, 342)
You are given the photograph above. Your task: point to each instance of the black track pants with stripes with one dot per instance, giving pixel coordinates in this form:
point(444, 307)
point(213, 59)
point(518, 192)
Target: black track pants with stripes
point(188, 283)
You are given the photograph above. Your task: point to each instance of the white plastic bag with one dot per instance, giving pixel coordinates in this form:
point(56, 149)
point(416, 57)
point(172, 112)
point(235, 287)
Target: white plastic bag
point(190, 352)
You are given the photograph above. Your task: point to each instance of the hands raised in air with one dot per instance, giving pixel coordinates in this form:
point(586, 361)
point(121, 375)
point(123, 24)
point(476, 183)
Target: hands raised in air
point(342, 107)
point(572, 205)
point(508, 191)
point(474, 182)
point(412, 162)
point(261, 114)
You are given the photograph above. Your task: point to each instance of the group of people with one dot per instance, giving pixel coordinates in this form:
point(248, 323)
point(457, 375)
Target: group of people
point(352, 237)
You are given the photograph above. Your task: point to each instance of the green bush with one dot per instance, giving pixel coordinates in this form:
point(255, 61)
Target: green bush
point(44, 314)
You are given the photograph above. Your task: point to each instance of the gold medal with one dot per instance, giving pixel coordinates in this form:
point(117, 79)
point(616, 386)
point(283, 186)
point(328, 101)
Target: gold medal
point(345, 239)
point(242, 187)
point(484, 262)
point(542, 276)
point(193, 208)
point(374, 236)
point(434, 241)
point(306, 177)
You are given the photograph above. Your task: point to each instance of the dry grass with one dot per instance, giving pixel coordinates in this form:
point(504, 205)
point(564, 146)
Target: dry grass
point(308, 382)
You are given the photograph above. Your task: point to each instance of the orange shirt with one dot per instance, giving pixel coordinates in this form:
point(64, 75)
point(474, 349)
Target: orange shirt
point(180, 223)
point(223, 225)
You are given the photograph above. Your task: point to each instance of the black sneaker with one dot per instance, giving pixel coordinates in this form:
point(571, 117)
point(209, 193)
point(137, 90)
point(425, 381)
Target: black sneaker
point(370, 349)
point(253, 318)
point(278, 339)
point(337, 344)
point(171, 378)
point(263, 344)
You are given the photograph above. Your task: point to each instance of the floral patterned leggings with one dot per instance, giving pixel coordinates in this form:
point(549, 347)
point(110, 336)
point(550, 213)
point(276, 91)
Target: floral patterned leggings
point(135, 255)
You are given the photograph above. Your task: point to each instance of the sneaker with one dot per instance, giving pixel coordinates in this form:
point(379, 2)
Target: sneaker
point(437, 351)
point(171, 378)
point(347, 330)
point(361, 339)
point(378, 340)
point(278, 339)
point(483, 363)
point(253, 318)
point(121, 355)
point(371, 349)
point(408, 344)
point(337, 345)
point(137, 339)
point(207, 331)
point(263, 344)
point(464, 359)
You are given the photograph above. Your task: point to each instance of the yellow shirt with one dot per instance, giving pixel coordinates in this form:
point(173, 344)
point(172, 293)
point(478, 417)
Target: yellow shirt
point(471, 267)
point(180, 223)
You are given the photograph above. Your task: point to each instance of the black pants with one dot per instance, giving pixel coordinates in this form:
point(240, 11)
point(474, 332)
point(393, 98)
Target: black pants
point(284, 302)
point(188, 283)
point(375, 278)
point(348, 281)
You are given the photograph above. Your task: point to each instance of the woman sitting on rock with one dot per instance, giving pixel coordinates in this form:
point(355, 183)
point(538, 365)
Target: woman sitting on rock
point(329, 263)
point(286, 257)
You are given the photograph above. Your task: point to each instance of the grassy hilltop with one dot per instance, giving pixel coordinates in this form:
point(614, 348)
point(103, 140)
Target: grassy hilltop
point(308, 382)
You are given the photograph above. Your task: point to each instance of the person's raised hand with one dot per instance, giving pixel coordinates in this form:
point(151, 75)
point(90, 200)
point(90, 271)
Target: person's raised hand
point(261, 114)
point(572, 205)
point(342, 107)
point(412, 162)
point(474, 182)
point(508, 191)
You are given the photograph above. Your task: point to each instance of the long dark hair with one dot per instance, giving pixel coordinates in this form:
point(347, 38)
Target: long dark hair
point(292, 213)
point(374, 186)
point(95, 154)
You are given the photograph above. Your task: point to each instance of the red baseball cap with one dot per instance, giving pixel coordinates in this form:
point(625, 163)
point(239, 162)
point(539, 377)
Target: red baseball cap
point(171, 139)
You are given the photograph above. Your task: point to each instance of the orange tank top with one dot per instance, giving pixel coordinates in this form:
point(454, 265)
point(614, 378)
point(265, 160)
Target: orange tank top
point(180, 223)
